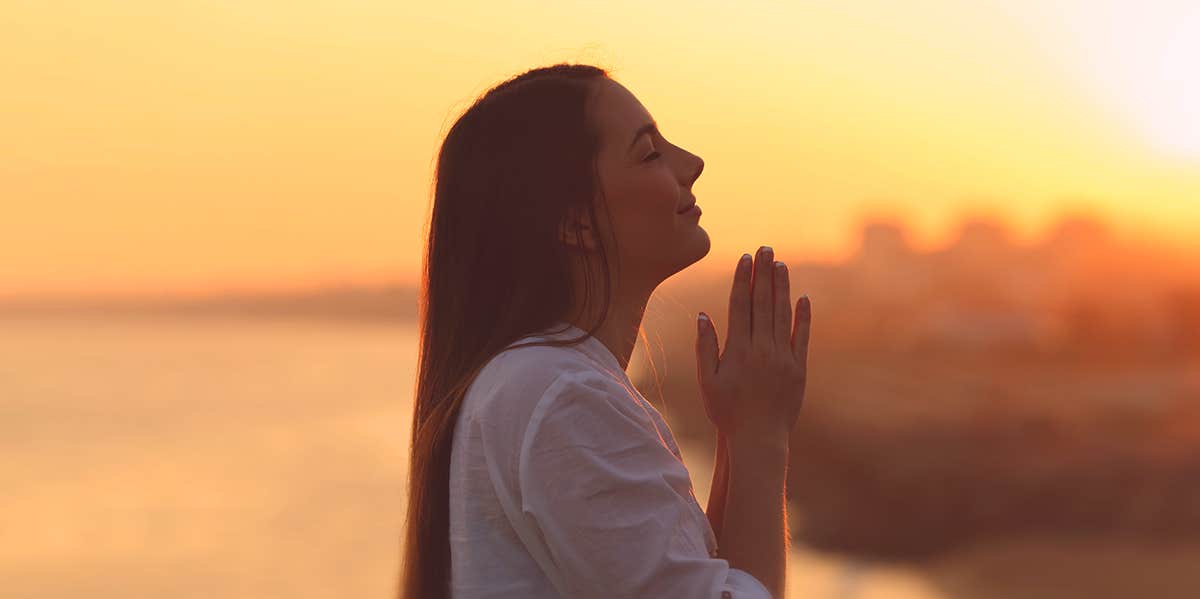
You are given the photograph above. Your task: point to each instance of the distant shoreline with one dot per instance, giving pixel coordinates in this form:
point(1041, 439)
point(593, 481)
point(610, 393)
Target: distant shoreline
point(384, 303)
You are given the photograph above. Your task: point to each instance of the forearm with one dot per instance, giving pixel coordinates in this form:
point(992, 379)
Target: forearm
point(719, 490)
point(754, 536)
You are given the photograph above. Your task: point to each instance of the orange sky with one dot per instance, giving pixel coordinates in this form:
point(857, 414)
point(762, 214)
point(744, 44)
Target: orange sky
point(184, 146)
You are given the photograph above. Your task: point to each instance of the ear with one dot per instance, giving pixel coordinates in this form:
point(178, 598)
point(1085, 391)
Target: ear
point(576, 226)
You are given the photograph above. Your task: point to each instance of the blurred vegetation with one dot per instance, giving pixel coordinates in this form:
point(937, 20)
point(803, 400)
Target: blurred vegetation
point(979, 392)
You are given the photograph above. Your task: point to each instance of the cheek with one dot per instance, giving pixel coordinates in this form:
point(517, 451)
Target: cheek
point(642, 203)
point(650, 189)
point(652, 192)
point(644, 212)
point(664, 189)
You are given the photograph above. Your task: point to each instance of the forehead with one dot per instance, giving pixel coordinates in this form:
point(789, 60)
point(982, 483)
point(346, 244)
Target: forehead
point(617, 113)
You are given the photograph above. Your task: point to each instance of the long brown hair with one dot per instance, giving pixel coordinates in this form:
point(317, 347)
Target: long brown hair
point(513, 167)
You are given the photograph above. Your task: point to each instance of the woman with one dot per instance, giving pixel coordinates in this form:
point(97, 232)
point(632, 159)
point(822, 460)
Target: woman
point(537, 469)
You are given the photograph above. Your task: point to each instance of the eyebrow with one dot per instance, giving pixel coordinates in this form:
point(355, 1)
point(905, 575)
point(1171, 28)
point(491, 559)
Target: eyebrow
point(650, 127)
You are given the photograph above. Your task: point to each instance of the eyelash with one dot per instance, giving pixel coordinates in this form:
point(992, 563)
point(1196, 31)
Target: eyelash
point(652, 156)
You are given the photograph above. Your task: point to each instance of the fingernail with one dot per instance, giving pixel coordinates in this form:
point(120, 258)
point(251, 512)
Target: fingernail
point(701, 321)
point(767, 249)
point(745, 259)
point(778, 265)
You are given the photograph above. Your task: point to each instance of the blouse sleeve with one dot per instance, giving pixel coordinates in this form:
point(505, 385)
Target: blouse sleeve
point(613, 504)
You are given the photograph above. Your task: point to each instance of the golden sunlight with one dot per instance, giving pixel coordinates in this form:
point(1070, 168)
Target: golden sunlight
point(1170, 96)
point(154, 147)
point(1143, 60)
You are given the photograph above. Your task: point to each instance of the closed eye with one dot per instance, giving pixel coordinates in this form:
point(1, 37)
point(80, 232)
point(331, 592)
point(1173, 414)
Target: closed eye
point(652, 156)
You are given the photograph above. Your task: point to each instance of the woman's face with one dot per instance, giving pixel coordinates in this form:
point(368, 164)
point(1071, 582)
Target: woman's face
point(646, 181)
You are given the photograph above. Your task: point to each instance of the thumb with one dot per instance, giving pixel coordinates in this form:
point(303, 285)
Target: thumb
point(706, 347)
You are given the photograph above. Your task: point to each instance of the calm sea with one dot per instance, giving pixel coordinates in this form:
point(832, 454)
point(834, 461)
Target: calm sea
point(151, 457)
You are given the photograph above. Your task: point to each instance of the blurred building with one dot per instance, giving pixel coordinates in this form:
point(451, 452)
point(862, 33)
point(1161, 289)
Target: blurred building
point(1078, 291)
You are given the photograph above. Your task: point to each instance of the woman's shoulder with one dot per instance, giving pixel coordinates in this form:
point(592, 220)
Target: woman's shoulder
point(515, 380)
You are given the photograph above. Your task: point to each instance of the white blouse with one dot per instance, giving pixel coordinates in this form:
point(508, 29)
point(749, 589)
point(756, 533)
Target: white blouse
point(566, 482)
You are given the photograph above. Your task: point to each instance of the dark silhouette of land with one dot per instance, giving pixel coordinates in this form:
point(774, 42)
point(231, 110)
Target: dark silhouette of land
point(362, 303)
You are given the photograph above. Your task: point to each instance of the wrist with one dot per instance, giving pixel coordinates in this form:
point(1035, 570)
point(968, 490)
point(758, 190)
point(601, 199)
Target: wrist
point(758, 445)
point(770, 434)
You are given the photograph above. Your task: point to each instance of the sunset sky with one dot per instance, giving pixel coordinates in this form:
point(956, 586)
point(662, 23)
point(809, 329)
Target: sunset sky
point(174, 146)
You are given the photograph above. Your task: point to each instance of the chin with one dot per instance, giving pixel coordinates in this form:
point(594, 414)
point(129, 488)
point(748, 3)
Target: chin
point(697, 247)
point(694, 247)
point(704, 243)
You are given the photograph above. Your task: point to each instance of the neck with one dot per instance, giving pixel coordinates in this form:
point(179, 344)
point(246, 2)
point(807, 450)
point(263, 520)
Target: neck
point(619, 333)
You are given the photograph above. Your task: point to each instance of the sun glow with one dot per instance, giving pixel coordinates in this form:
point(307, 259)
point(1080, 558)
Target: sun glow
point(1172, 90)
point(1145, 60)
point(176, 146)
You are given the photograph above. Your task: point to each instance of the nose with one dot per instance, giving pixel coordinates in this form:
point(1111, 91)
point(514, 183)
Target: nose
point(699, 169)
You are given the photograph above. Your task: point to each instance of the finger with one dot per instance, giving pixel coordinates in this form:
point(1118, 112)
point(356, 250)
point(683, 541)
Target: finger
point(783, 307)
point(706, 348)
point(762, 314)
point(739, 305)
point(803, 326)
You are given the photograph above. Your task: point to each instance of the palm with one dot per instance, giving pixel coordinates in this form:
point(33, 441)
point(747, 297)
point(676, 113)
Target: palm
point(758, 377)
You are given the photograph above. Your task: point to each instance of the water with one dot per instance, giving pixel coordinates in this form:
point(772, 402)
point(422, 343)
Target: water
point(226, 457)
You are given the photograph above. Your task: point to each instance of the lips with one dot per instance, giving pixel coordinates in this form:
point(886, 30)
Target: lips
point(687, 207)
